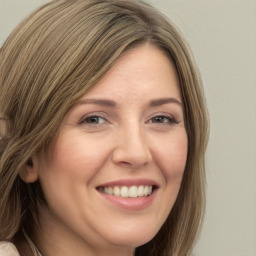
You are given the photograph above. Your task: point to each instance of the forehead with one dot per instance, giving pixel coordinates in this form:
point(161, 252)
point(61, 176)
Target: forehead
point(142, 71)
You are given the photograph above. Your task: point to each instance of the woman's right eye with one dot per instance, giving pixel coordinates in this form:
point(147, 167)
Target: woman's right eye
point(94, 120)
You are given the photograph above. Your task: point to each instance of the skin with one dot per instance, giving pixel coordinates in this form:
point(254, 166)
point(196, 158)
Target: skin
point(131, 138)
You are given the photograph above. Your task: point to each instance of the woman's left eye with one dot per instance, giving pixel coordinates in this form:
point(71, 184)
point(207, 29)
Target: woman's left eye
point(162, 120)
point(94, 120)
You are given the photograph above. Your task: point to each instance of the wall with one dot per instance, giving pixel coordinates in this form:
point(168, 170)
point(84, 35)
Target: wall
point(222, 35)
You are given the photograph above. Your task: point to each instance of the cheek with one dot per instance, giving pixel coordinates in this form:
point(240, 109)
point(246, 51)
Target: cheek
point(171, 157)
point(68, 170)
point(75, 159)
point(77, 156)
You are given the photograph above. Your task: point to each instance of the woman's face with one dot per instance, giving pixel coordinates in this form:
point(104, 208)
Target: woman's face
point(117, 164)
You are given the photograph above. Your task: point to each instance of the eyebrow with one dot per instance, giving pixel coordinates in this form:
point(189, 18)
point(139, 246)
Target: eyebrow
point(162, 101)
point(102, 102)
point(111, 103)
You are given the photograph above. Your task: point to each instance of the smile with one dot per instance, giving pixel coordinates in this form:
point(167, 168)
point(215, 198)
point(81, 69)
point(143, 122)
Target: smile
point(128, 192)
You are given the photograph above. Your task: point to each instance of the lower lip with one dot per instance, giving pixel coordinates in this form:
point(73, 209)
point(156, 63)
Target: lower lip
point(136, 204)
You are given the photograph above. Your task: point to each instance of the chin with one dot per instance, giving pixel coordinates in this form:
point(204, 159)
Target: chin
point(131, 238)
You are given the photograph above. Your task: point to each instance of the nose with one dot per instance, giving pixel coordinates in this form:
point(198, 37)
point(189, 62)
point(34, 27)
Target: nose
point(132, 149)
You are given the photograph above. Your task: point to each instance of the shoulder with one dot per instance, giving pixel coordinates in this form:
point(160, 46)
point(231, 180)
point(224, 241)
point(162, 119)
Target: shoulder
point(8, 249)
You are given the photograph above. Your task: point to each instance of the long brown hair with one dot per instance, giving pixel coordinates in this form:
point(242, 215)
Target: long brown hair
point(53, 58)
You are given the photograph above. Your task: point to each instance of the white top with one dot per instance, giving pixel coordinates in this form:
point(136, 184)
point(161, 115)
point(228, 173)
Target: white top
point(8, 249)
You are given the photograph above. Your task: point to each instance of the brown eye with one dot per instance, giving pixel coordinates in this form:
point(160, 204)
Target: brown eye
point(162, 119)
point(94, 120)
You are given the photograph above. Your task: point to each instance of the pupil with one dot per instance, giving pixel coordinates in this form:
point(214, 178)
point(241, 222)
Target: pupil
point(159, 119)
point(93, 119)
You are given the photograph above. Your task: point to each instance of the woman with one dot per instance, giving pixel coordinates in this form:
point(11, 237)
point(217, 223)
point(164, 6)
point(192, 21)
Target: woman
point(104, 130)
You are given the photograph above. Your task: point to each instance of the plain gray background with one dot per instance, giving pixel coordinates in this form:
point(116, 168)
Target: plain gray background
point(222, 35)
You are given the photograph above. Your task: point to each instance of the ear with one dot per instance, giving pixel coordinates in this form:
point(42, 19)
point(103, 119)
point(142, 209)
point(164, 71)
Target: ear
point(29, 173)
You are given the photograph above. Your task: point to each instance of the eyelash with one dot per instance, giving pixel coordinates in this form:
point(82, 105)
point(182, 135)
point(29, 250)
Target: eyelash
point(164, 119)
point(86, 120)
point(170, 119)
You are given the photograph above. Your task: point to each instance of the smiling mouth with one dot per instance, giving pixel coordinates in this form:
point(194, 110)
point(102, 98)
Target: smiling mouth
point(128, 192)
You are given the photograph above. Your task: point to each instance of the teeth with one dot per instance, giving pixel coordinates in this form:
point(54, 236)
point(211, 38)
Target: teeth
point(141, 191)
point(110, 191)
point(150, 188)
point(146, 190)
point(133, 191)
point(117, 191)
point(125, 191)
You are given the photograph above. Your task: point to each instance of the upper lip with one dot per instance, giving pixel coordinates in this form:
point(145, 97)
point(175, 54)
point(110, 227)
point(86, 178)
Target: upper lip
point(130, 182)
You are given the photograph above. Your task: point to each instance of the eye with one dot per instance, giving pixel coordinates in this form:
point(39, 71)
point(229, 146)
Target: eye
point(162, 119)
point(94, 119)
